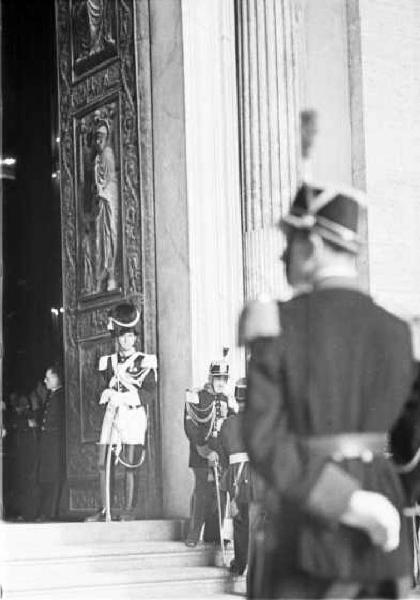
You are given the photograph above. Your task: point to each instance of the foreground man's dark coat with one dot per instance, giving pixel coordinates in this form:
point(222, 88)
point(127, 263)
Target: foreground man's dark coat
point(327, 362)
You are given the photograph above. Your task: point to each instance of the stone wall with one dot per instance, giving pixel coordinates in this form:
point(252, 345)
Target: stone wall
point(324, 85)
point(391, 88)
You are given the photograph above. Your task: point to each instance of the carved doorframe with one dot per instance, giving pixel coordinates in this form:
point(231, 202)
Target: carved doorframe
point(104, 72)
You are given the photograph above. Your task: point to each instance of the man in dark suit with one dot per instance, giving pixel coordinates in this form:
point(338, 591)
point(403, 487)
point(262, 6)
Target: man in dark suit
point(51, 469)
point(329, 374)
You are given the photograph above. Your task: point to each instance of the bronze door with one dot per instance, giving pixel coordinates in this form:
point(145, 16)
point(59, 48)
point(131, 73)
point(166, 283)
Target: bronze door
point(108, 230)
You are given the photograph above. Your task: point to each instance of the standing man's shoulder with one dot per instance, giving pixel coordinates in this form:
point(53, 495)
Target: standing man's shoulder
point(147, 361)
point(399, 324)
point(200, 397)
point(393, 316)
point(259, 319)
point(192, 396)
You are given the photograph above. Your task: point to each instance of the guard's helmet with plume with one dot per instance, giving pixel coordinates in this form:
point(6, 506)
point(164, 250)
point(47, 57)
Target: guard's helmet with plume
point(220, 368)
point(123, 318)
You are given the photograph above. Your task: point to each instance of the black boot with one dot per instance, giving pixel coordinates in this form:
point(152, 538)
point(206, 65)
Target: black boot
point(128, 513)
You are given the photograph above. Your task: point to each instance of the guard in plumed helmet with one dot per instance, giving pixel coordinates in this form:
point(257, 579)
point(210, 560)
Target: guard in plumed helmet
point(329, 374)
point(131, 386)
point(205, 411)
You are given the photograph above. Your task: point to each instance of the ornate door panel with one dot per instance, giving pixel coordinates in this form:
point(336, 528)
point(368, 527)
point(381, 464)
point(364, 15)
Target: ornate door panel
point(107, 220)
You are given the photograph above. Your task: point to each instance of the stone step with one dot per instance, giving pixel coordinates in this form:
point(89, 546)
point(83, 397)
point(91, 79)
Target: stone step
point(162, 582)
point(100, 549)
point(107, 561)
point(179, 590)
point(103, 557)
point(16, 536)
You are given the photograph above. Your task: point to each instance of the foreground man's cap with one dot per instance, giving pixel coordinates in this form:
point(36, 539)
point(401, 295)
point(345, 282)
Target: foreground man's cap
point(334, 212)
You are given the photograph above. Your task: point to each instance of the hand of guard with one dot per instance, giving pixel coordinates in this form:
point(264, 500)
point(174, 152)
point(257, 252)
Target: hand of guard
point(375, 514)
point(105, 397)
point(213, 458)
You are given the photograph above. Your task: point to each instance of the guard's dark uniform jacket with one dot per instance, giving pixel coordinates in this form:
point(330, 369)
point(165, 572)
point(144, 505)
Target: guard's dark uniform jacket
point(202, 421)
point(329, 362)
point(142, 362)
point(200, 424)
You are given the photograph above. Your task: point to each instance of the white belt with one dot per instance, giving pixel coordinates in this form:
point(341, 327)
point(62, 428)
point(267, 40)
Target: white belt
point(238, 457)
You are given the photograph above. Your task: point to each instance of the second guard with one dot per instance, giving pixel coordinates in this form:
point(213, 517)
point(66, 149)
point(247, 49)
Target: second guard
point(205, 411)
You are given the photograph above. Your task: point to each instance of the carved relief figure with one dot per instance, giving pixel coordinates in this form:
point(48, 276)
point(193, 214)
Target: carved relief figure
point(98, 202)
point(105, 194)
point(93, 32)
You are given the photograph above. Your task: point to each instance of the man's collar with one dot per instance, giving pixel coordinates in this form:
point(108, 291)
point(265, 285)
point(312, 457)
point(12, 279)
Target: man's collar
point(56, 389)
point(127, 354)
point(342, 277)
point(209, 388)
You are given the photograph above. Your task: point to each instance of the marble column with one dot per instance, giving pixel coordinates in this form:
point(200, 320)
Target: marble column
point(357, 119)
point(268, 133)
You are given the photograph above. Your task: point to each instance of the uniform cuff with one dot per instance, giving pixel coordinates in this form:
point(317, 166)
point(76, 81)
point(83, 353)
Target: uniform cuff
point(331, 493)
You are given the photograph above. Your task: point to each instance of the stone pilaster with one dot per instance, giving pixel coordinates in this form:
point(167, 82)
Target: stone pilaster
point(172, 254)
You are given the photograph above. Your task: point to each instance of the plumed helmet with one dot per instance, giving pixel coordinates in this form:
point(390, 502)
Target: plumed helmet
point(123, 318)
point(334, 212)
point(220, 368)
point(240, 390)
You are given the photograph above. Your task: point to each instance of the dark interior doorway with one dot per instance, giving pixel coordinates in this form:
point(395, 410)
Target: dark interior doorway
point(31, 218)
point(32, 286)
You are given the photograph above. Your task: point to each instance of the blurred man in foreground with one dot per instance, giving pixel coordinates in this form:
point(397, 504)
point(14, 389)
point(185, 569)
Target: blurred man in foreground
point(329, 374)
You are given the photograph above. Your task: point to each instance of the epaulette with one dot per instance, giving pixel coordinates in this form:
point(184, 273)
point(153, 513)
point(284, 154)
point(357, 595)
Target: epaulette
point(103, 362)
point(191, 396)
point(149, 361)
point(259, 318)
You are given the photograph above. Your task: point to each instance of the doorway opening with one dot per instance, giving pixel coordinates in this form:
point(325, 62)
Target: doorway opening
point(32, 288)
